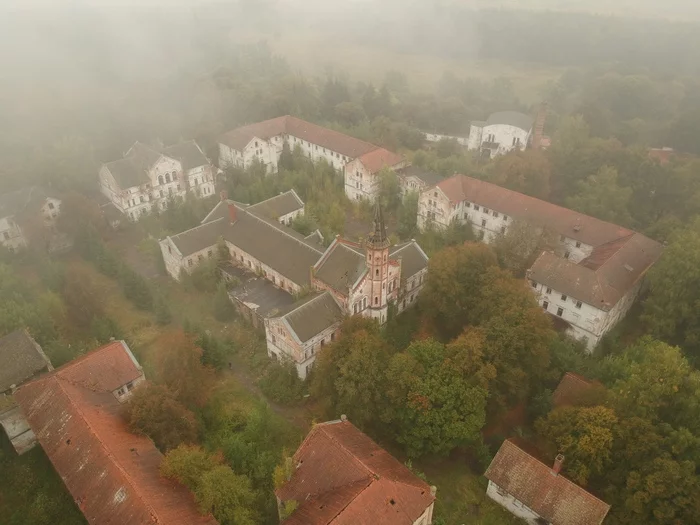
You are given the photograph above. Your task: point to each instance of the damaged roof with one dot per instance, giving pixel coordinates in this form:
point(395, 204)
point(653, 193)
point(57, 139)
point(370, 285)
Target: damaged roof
point(553, 497)
point(188, 153)
point(343, 477)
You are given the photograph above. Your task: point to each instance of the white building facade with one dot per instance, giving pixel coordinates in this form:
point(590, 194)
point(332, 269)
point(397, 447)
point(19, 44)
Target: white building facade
point(503, 132)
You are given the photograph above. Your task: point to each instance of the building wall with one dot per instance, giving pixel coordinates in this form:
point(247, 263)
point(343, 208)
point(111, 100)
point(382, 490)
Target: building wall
point(11, 235)
point(475, 133)
point(504, 135)
point(359, 182)
point(427, 517)
point(317, 153)
point(200, 181)
point(247, 261)
point(514, 506)
point(125, 392)
point(436, 137)
point(289, 217)
point(408, 294)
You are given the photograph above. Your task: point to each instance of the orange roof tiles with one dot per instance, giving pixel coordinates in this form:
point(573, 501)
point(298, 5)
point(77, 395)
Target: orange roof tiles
point(380, 158)
point(343, 477)
point(573, 389)
point(553, 497)
point(111, 473)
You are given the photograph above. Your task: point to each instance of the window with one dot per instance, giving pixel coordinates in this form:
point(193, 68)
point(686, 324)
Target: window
point(364, 303)
point(578, 304)
point(170, 250)
point(167, 177)
point(483, 223)
point(505, 217)
point(274, 340)
point(560, 312)
point(256, 143)
point(466, 216)
point(161, 194)
point(563, 297)
point(468, 204)
point(534, 284)
point(333, 337)
point(435, 194)
point(376, 301)
point(376, 272)
point(200, 257)
point(142, 198)
point(189, 262)
point(209, 254)
point(476, 207)
point(486, 211)
point(495, 214)
point(549, 290)
point(51, 205)
point(160, 179)
point(503, 229)
point(567, 254)
point(545, 305)
point(578, 244)
point(354, 308)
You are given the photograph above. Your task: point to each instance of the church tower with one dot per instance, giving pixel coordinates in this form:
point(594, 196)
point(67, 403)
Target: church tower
point(377, 248)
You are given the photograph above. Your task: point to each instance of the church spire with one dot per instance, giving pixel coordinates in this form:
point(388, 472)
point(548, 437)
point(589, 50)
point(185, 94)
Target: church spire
point(378, 238)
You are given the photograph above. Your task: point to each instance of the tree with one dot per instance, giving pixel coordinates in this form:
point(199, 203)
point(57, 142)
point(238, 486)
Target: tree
point(227, 496)
point(223, 307)
point(407, 215)
point(583, 435)
point(389, 190)
point(154, 411)
point(186, 464)
point(84, 301)
point(674, 292)
point(521, 244)
point(438, 395)
point(601, 196)
point(348, 375)
point(526, 171)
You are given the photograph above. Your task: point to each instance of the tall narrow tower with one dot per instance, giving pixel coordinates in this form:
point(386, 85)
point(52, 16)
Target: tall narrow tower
point(377, 248)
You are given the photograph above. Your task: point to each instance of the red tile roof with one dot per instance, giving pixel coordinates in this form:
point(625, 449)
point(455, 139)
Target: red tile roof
point(380, 158)
point(335, 141)
point(572, 224)
point(112, 474)
point(343, 477)
point(553, 497)
point(573, 389)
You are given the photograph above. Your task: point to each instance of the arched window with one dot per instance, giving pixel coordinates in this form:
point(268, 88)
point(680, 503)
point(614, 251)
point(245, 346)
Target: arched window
point(376, 301)
point(174, 175)
point(160, 179)
point(167, 177)
point(376, 272)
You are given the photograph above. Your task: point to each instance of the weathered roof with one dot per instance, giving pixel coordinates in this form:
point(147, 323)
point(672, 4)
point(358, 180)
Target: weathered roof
point(20, 359)
point(279, 247)
point(342, 265)
point(29, 199)
point(380, 158)
point(278, 206)
point(511, 118)
point(413, 258)
point(312, 315)
point(261, 295)
point(563, 221)
point(553, 497)
point(112, 474)
point(335, 141)
point(343, 477)
point(604, 277)
point(188, 153)
point(572, 389)
point(133, 169)
point(427, 177)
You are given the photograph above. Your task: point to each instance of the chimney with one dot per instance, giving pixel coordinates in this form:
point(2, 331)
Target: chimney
point(232, 212)
point(539, 127)
point(343, 417)
point(224, 195)
point(433, 490)
point(556, 468)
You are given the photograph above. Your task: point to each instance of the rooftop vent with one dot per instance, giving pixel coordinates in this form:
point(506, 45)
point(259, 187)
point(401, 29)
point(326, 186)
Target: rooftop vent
point(628, 268)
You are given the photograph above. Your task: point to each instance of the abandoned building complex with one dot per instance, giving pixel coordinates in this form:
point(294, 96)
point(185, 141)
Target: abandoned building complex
point(26, 211)
point(146, 178)
point(112, 474)
point(588, 279)
point(359, 161)
point(339, 475)
point(347, 278)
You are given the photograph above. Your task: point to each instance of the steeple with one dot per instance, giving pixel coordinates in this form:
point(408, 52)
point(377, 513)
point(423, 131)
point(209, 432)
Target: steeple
point(377, 238)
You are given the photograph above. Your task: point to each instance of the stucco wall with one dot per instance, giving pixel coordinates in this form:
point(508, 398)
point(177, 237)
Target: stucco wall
point(511, 504)
point(504, 135)
point(359, 182)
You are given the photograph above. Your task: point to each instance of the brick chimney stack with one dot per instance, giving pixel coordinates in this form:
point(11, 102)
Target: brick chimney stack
point(539, 127)
point(558, 462)
point(224, 195)
point(232, 212)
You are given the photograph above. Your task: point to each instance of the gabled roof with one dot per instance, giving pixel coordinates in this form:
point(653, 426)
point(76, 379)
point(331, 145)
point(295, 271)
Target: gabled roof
point(343, 477)
point(133, 169)
point(348, 146)
point(380, 158)
point(20, 359)
point(188, 153)
point(553, 497)
point(341, 266)
point(312, 315)
point(570, 223)
point(573, 389)
point(278, 206)
point(604, 277)
point(413, 258)
point(112, 474)
point(511, 118)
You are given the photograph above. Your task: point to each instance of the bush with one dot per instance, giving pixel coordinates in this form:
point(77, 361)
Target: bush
point(224, 310)
point(281, 383)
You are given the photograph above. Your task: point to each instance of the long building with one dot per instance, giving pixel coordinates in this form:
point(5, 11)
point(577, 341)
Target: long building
point(357, 160)
point(588, 281)
point(347, 278)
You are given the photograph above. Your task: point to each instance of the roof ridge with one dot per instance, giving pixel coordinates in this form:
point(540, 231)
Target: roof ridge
point(347, 451)
point(269, 223)
point(198, 226)
point(302, 305)
point(560, 476)
point(59, 371)
point(110, 456)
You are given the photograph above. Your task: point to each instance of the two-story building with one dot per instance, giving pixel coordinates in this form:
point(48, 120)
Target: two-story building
point(415, 179)
point(344, 279)
point(537, 493)
point(145, 179)
point(502, 132)
point(359, 161)
point(23, 210)
point(339, 475)
point(588, 281)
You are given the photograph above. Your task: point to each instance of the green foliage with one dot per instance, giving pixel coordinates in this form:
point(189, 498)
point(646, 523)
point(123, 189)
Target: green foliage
point(407, 216)
point(303, 224)
point(281, 384)
point(154, 411)
point(162, 311)
point(205, 277)
point(224, 310)
point(520, 245)
point(601, 196)
point(227, 496)
point(215, 352)
point(288, 508)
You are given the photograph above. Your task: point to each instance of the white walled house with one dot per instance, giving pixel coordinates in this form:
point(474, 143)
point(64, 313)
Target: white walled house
point(344, 279)
point(537, 493)
point(596, 273)
point(359, 161)
point(417, 180)
point(503, 132)
point(145, 179)
point(23, 209)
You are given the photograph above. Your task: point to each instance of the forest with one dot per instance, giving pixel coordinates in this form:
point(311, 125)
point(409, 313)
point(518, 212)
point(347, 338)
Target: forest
point(438, 382)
